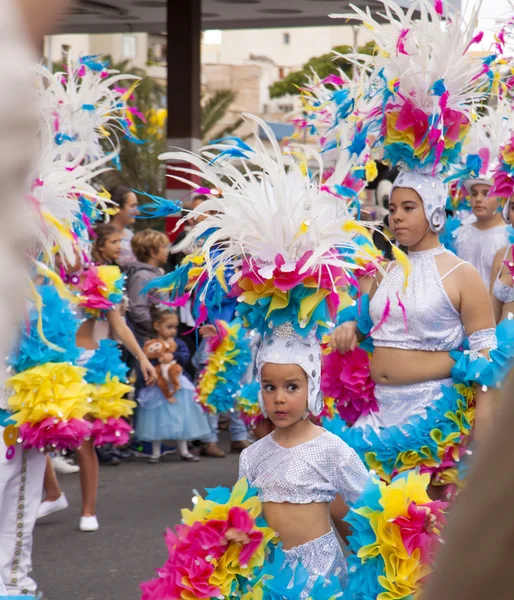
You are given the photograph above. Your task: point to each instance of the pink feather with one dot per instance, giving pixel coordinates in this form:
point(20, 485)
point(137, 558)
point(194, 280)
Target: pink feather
point(400, 44)
point(385, 316)
point(476, 40)
point(403, 309)
point(438, 5)
point(439, 149)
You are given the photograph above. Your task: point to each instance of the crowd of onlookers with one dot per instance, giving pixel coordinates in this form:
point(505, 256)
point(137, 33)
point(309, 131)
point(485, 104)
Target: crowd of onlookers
point(143, 256)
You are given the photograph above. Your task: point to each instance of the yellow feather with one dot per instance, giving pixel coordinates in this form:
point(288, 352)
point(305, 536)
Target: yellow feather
point(58, 283)
point(402, 259)
point(38, 302)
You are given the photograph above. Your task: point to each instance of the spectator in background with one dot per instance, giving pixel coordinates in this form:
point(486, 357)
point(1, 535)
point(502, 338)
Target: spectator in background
point(125, 200)
point(151, 250)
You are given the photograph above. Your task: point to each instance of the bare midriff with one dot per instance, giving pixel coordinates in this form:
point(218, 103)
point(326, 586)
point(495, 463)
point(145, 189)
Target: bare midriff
point(392, 366)
point(297, 524)
point(85, 335)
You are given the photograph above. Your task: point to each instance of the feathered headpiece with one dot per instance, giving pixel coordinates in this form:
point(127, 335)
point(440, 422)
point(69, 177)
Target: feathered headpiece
point(429, 85)
point(334, 112)
point(86, 103)
point(83, 114)
point(284, 232)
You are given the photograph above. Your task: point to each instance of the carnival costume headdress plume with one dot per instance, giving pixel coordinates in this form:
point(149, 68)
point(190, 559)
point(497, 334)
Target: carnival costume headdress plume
point(429, 84)
point(86, 103)
point(82, 116)
point(288, 236)
point(334, 112)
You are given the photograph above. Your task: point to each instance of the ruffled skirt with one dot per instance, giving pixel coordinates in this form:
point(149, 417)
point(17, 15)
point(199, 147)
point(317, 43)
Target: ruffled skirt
point(158, 419)
point(321, 557)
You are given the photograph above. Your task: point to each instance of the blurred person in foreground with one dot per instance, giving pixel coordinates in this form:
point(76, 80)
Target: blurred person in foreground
point(475, 561)
point(23, 24)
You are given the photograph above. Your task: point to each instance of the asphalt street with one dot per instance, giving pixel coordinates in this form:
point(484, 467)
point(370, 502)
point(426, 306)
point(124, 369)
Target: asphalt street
point(136, 502)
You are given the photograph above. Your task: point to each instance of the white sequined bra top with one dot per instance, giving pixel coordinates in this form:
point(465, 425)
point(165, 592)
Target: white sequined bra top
point(421, 317)
point(314, 471)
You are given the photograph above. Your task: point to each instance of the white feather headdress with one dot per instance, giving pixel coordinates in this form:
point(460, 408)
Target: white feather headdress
point(85, 104)
point(430, 83)
point(290, 237)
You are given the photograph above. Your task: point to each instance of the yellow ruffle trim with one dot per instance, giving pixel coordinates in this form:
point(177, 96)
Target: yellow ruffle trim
point(53, 389)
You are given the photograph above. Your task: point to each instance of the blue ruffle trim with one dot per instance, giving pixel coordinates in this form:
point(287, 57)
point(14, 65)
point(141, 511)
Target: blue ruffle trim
point(423, 435)
point(59, 326)
point(106, 361)
point(223, 396)
point(485, 372)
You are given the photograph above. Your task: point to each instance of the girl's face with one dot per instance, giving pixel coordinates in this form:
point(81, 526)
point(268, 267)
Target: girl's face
point(112, 247)
point(407, 218)
point(174, 319)
point(484, 207)
point(165, 328)
point(126, 216)
point(285, 391)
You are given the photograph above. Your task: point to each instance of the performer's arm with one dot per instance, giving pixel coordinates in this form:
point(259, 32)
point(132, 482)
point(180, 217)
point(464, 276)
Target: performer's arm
point(497, 265)
point(478, 320)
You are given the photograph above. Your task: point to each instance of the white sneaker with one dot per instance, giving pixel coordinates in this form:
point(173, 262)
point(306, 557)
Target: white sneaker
point(47, 507)
point(88, 524)
point(61, 465)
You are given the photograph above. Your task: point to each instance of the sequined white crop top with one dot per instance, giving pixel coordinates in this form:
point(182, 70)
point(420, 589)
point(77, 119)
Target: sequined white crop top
point(428, 319)
point(503, 292)
point(314, 471)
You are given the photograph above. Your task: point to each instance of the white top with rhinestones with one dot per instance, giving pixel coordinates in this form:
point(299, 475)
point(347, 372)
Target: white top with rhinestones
point(314, 471)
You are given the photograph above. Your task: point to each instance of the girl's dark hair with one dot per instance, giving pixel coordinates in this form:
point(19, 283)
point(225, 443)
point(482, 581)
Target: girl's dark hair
point(158, 314)
point(119, 195)
point(102, 232)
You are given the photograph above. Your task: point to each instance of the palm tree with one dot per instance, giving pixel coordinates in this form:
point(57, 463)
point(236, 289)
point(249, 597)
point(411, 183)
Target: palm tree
point(214, 110)
point(140, 167)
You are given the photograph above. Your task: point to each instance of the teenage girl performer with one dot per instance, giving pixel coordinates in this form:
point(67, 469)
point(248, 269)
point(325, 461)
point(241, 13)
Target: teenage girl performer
point(423, 309)
point(96, 326)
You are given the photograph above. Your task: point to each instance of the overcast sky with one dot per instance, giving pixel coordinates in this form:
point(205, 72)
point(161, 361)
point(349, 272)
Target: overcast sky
point(490, 13)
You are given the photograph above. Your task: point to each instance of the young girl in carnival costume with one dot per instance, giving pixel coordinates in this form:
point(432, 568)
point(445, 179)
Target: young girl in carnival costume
point(100, 289)
point(287, 238)
point(427, 308)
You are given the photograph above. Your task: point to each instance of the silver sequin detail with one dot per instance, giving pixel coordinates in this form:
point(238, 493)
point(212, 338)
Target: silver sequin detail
point(311, 472)
point(504, 292)
point(480, 247)
point(398, 403)
point(285, 330)
point(321, 557)
point(484, 339)
point(433, 323)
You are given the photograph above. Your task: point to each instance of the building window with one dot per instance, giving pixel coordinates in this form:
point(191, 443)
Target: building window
point(287, 39)
point(129, 46)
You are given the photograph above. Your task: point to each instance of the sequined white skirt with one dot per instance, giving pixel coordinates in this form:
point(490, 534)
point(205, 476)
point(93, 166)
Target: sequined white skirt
point(398, 403)
point(320, 557)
